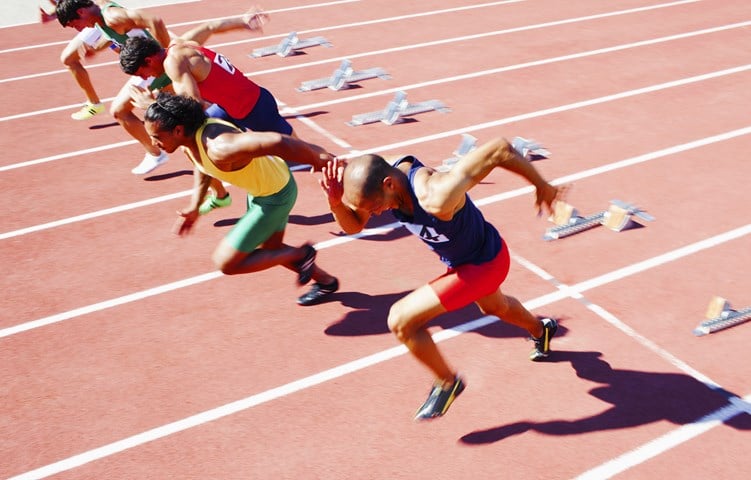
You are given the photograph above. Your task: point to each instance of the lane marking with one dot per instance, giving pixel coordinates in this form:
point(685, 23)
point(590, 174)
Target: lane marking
point(668, 441)
point(338, 371)
point(338, 59)
point(521, 66)
point(494, 198)
point(458, 131)
point(671, 439)
point(181, 24)
point(269, 37)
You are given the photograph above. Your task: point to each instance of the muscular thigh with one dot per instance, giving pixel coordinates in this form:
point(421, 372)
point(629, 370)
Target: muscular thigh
point(416, 309)
point(468, 283)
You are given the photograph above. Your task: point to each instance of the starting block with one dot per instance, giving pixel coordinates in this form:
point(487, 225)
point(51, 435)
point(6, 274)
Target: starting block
point(720, 316)
point(617, 218)
point(467, 144)
point(290, 46)
point(530, 149)
point(396, 110)
point(343, 77)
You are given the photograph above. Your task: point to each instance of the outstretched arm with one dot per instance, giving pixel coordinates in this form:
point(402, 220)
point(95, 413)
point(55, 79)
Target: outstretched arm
point(233, 150)
point(252, 20)
point(444, 193)
point(122, 20)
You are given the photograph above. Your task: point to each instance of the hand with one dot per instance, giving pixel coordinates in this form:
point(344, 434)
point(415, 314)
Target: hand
point(547, 195)
point(321, 162)
point(185, 220)
point(332, 181)
point(255, 18)
point(141, 97)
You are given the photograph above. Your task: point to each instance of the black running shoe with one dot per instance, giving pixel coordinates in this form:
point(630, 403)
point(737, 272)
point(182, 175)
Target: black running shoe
point(306, 266)
point(317, 293)
point(542, 344)
point(440, 400)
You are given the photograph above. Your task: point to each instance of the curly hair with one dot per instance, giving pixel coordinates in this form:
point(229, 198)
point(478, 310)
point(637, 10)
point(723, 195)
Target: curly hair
point(171, 110)
point(67, 10)
point(135, 51)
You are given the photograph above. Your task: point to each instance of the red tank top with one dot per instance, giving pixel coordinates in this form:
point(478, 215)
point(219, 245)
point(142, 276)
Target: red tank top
point(227, 86)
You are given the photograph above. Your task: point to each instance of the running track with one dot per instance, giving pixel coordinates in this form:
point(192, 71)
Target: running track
point(124, 355)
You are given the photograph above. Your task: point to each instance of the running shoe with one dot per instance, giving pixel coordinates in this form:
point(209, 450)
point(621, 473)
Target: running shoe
point(542, 344)
point(317, 293)
point(212, 202)
point(439, 400)
point(150, 162)
point(306, 266)
point(87, 111)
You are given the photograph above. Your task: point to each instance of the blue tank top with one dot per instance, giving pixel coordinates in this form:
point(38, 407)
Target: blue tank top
point(466, 238)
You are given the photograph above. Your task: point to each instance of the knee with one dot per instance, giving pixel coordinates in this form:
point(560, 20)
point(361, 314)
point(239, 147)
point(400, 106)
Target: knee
point(119, 110)
point(499, 308)
point(399, 324)
point(71, 60)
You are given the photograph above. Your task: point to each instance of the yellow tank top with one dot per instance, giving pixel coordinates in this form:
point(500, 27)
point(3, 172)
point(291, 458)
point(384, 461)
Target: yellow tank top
point(261, 177)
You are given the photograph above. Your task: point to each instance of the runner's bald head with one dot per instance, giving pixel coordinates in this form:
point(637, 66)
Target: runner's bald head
point(364, 175)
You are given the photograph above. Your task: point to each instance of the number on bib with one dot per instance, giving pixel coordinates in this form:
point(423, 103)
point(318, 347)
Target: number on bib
point(222, 61)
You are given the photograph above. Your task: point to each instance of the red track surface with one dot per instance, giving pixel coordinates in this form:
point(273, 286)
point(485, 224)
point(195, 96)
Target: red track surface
point(141, 382)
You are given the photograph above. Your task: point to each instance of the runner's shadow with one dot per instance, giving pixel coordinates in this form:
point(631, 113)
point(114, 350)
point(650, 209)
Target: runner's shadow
point(370, 313)
point(307, 115)
point(312, 220)
point(167, 176)
point(103, 125)
point(636, 398)
point(226, 222)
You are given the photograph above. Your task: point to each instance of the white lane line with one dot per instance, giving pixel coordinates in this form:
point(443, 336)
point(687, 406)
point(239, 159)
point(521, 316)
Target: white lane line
point(108, 211)
point(277, 36)
point(192, 22)
point(676, 437)
point(564, 108)
point(494, 198)
point(354, 56)
point(670, 440)
point(520, 66)
point(326, 375)
point(458, 131)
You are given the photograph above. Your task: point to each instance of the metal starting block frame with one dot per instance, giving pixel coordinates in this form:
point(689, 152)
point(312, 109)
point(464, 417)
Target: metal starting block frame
point(290, 46)
point(720, 316)
point(467, 144)
point(617, 218)
point(396, 110)
point(530, 149)
point(343, 77)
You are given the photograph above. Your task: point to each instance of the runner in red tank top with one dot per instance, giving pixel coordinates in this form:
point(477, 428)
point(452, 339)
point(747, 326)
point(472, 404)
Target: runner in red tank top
point(204, 74)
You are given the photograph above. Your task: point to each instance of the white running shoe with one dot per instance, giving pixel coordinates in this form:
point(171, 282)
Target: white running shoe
point(150, 162)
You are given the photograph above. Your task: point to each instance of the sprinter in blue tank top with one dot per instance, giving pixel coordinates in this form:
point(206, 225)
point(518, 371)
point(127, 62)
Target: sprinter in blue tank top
point(435, 207)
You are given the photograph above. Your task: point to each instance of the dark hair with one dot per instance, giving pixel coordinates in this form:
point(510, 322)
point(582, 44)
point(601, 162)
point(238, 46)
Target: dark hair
point(135, 51)
point(171, 110)
point(67, 10)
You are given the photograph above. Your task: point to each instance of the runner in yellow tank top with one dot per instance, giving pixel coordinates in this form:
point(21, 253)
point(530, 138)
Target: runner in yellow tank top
point(254, 162)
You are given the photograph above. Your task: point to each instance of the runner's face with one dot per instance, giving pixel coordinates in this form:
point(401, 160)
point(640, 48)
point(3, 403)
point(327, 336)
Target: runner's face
point(374, 205)
point(85, 19)
point(150, 68)
point(167, 140)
